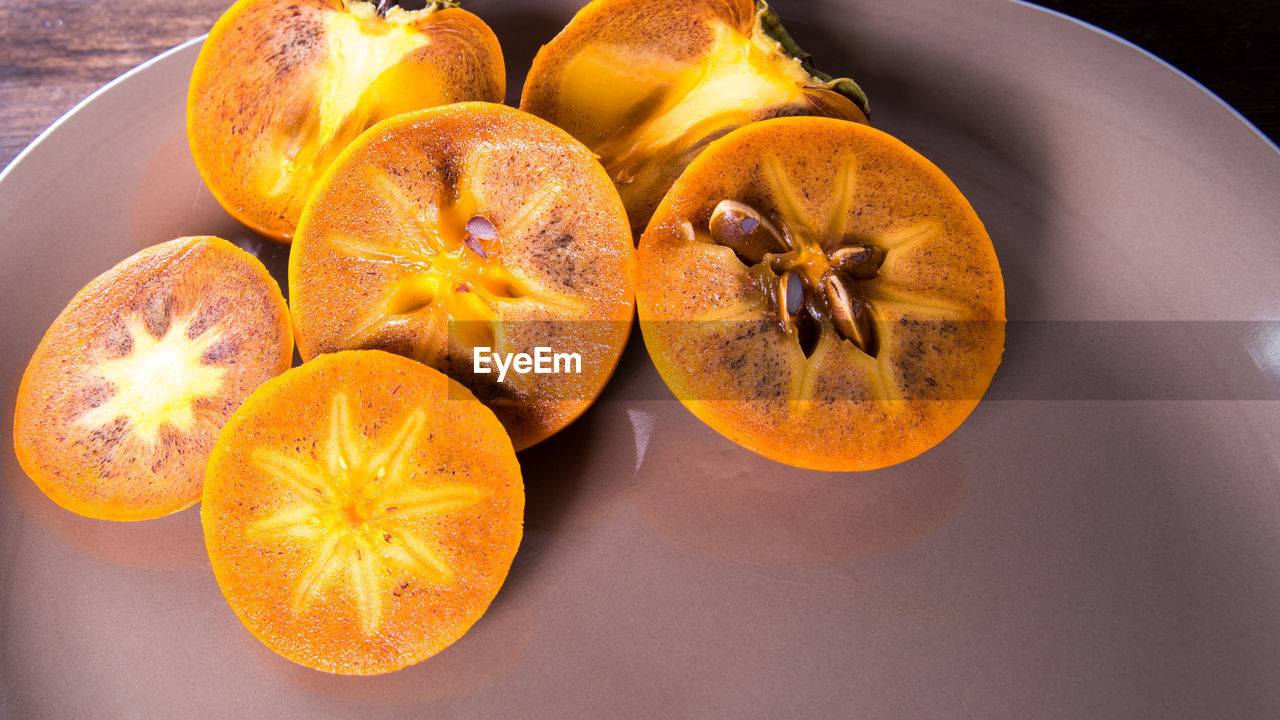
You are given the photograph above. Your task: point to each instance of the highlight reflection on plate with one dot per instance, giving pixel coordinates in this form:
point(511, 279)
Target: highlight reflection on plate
point(1073, 556)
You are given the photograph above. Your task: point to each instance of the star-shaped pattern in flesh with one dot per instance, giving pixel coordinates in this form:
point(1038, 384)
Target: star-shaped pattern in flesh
point(159, 380)
point(837, 269)
point(445, 281)
point(353, 505)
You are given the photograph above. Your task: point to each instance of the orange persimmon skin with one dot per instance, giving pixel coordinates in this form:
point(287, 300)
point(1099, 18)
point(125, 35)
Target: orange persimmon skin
point(274, 96)
point(361, 512)
point(77, 428)
point(713, 325)
point(382, 260)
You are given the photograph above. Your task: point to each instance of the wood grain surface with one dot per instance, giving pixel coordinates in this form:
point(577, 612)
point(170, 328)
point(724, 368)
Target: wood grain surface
point(53, 53)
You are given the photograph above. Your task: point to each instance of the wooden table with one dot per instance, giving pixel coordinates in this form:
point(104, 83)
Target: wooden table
point(55, 52)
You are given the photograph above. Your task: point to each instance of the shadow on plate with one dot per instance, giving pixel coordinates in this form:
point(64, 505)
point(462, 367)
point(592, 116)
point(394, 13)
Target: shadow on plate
point(584, 473)
point(523, 31)
point(699, 491)
point(172, 542)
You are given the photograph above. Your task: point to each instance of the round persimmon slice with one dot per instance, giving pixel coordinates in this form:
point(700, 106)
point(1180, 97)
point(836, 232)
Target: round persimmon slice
point(125, 394)
point(820, 293)
point(361, 511)
point(468, 237)
point(646, 85)
point(281, 86)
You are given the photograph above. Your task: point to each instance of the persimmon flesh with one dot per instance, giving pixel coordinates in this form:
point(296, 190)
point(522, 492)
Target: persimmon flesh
point(471, 227)
point(281, 86)
point(646, 85)
point(818, 292)
point(361, 511)
point(125, 394)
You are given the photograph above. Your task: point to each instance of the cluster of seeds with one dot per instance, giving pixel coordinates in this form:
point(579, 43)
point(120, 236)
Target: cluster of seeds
point(814, 288)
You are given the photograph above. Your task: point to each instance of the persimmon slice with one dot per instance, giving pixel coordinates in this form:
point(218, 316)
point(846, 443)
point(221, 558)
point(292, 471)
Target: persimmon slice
point(361, 511)
point(281, 86)
point(820, 293)
point(646, 85)
point(471, 226)
point(125, 394)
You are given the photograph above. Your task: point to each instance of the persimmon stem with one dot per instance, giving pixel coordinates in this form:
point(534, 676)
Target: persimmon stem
point(772, 26)
point(428, 6)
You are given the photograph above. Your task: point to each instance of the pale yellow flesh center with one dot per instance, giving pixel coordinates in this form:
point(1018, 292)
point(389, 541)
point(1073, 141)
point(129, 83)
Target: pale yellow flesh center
point(352, 506)
point(360, 46)
point(157, 383)
point(739, 75)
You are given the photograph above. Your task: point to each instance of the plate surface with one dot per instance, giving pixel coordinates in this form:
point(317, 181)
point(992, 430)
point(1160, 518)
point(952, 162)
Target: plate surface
point(1100, 539)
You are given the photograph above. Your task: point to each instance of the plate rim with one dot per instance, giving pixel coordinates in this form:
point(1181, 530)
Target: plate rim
point(1274, 146)
point(141, 67)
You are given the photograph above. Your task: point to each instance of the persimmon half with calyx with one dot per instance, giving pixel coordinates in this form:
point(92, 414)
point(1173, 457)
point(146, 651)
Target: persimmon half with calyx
point(124, 396)
point(647, 85)
point(281, 86)
point(818, 292)
point(471, 228)
point(361, 511)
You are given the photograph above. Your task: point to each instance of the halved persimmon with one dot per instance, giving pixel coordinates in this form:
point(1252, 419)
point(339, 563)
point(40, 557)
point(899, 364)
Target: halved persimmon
point(818, 292)
point(467, 236)
point(125, 394)
point(281, 86)
point(361, 511)
point(647, 85)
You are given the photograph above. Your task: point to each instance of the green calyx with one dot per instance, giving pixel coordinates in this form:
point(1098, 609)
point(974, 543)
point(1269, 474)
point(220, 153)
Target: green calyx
point(772, 26)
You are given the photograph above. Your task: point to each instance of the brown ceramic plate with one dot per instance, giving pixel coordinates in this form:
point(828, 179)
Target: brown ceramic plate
point(1100, 539)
